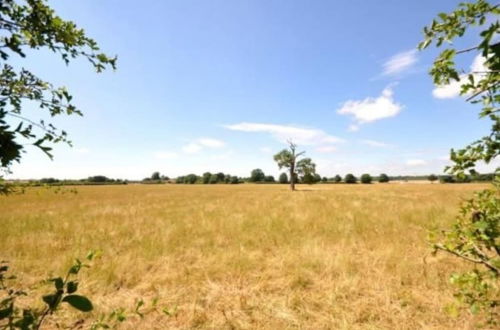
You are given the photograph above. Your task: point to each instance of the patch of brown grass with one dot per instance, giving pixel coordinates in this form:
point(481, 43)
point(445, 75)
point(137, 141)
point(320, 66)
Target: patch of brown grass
point(247, 256)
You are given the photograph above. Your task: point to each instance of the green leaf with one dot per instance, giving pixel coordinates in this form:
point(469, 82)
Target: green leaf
point(51, 300)
point(79, 302)
point(58, 283)
point(71, 287)
point(5, 312)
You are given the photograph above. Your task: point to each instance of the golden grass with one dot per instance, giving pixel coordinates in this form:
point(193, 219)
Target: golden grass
point(247, 256)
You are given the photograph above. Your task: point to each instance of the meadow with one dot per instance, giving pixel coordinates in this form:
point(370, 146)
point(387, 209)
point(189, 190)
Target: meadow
point(246, 256)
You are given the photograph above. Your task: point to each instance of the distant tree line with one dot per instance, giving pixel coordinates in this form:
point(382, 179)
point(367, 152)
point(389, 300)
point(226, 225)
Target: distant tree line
point(258, 176)
point(91, 180)
point(156, 177)
point(208, 178)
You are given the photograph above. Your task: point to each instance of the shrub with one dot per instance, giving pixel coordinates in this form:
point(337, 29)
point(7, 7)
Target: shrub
point(257, 175)
point(283, 178)
point(350, 178)
point(432, 178)
point(366, 178)
point(383, 178)
point(269, 178)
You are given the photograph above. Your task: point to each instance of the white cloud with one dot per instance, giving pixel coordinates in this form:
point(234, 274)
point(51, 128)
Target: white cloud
point(211, 143)
point(452, 89)
point(478, 64)
point(197, 145)
point(165, 155)
point(373, 143)
point(283, 133)
point(191, 148)
point(416, 162)
point(371, 109)
point(448, 91)
point(326, 149)
point(353, 128)
point(400, 62)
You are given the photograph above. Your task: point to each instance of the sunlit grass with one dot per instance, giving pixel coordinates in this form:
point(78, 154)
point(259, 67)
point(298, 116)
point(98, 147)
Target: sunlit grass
point(247, 256)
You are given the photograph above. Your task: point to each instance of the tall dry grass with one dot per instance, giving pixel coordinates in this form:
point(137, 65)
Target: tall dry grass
point(247, 256)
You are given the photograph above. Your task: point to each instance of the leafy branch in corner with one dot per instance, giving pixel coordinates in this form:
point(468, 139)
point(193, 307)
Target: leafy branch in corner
point(475, 236)
point(32, 24)
point(65, 291)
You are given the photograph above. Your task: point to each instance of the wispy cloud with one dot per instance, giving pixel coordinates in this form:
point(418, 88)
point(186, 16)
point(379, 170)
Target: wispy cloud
point(377, 144)
point(283, 133)
point(197, 145)
point(400, 62)
point(211, 143)
point(371, 109)
point(416, 162)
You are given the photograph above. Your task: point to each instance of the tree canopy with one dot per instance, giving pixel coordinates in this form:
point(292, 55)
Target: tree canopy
point(475, 236)
point(32, 24)
point(287, 158)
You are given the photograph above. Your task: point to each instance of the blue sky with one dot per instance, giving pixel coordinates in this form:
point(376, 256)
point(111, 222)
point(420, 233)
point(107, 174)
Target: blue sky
point(221, 85)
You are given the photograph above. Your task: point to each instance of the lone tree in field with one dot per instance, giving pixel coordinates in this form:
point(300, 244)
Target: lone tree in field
point(287, 158)
point(366, 178)
point(475, 236)
point(383, 178)
point(432, 178)
point(155, 176)
point(257, 175)
point(350, 178)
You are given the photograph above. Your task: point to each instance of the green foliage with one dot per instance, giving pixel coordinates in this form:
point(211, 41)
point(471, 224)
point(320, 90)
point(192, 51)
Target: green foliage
point(118, 316)
point(383, 178)
point(269, 179)
point(14, 317)
point(257, 175)
point(432, 178)
point(155, 176)
point(98, 178)
point(479, 87)
point(350, 178)
point(337, 179)
point(287, 158)
point(206, 177)
point(366, 178)
point(191, 178)
point(475, 235)
point(32, 24)
point(283, 178)
point(213, 179)
point(306, 169)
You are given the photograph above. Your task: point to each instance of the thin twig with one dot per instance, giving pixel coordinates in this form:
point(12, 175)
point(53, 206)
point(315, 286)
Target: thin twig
point(476, 261)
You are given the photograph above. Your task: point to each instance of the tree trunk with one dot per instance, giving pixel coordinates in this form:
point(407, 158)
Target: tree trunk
point(292, 177)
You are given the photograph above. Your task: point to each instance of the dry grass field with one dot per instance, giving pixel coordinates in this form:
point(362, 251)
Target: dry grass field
point(246, 256)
